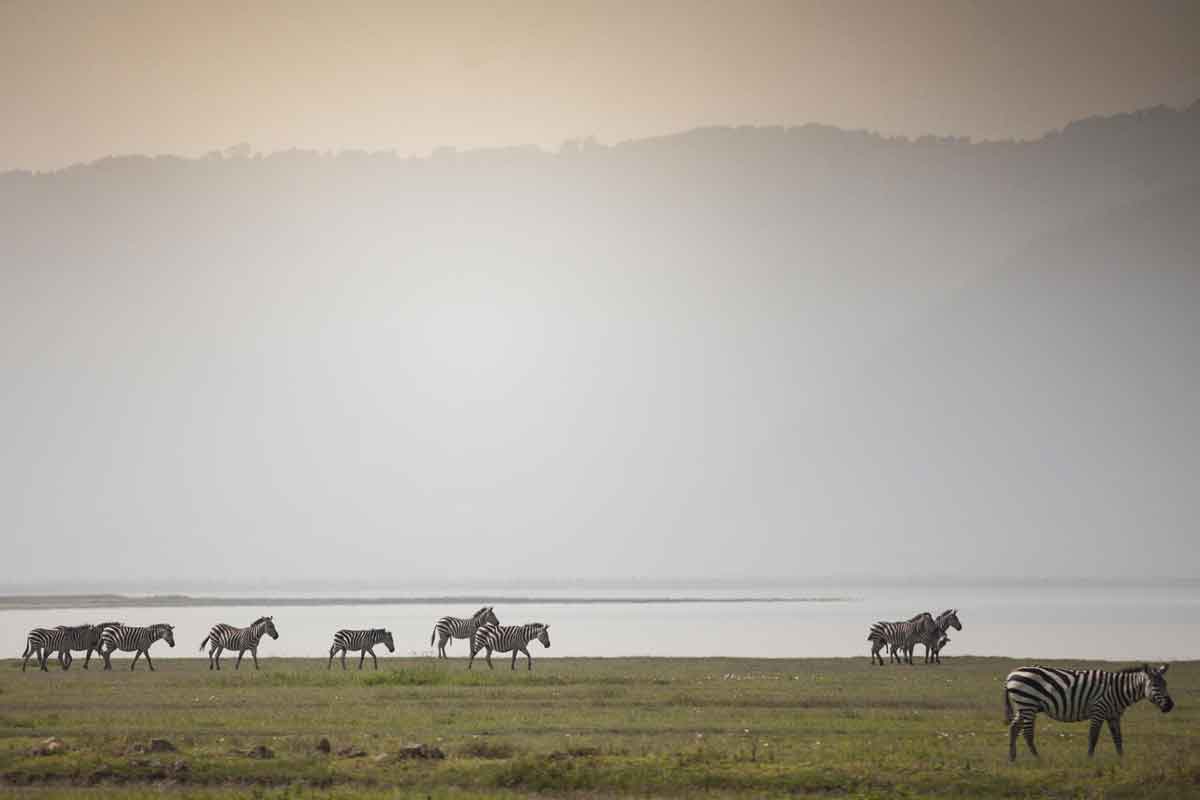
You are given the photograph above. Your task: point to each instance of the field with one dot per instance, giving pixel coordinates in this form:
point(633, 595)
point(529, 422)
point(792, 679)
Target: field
point(582, 727)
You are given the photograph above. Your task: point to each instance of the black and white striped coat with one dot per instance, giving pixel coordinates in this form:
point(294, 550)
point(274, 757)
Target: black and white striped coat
point(345, 640)
point(226, 637)
point(62, 639)
point(1070, 695)
point(36, 643)
point(900, 637)
point(932, 638)
point(447, 629)
point(134, 640)
point(503, 638)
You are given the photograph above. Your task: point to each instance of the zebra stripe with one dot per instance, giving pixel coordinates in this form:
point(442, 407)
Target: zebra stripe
point(36, 642)
point(900, 637)
point(63, 639)
point(135, 640)
point(226, 637)
point(931, 638)
point(1070, 695)
point(503, 638)
point(447, 629)
point(345, 640)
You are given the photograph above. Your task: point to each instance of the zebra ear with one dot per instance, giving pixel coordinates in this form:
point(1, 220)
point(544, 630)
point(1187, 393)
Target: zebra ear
point(1163, 669)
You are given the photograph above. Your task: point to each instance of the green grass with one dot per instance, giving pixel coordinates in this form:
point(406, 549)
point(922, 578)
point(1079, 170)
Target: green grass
point(589, 727)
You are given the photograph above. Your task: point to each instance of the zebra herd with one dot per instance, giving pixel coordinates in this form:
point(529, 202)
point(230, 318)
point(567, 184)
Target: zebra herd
point(482, 628)
point(485, 632)
point(1065, 695)
point(902, 638)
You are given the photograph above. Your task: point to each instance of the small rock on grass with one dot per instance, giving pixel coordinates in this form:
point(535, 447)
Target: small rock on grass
point(420, 751)
point(352, 752)
point(160, 746)
point(261, 751)
point(323, 746)
point(49, 747)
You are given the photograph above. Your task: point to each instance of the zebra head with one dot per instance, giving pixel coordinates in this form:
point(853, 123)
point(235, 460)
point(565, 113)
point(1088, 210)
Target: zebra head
point(486, 615)
point(1156, 687)
point(543, 634)
point(166, 633)
point(266, 625)
point(949, 619)
point(386, 637)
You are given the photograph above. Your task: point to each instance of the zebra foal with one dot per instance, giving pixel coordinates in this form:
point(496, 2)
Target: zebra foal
point(226, 637)
point(345, 640)
point(1071, 695)
point(447, 629)
point(503, 638)
point(134, 640)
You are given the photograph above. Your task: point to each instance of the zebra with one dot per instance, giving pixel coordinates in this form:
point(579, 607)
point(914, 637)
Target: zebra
point(136, 640)
point(939, 646)
point(360, 640)
point(36, 642)
point(1071, 695)
point(226, 637)
point(931, 638)
point(898, 635)
point(503, 638)
point(447, 629)
point(80, 637)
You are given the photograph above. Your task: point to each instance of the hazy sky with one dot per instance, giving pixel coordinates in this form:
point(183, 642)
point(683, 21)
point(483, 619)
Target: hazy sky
point(80, 81)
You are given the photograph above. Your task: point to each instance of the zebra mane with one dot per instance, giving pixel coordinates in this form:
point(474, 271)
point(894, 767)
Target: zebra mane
point(922, 615)
point(1132, 670)
point(102, 625)
point(259, 621)
point(72, 628)
point(480, 612)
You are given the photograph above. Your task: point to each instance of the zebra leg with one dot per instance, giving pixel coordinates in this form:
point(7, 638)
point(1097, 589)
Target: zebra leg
point(65, 658)
point(471, 660)
point(1114, 727)
point(362, 656)
point(1027, 720)
point(373, 658)
point(107, 661)
point(514, 659)
point(29, 653)
point(238, 664)
point(1094, 735)
point(332, 650)
point(343, 658)
point(217, 657)
point(1014, 730)
point(488, 657)
point(42, 659)
point(149, 663)
point(528, 659)
point(88, 658)
point(254, 655)
point(133, 663)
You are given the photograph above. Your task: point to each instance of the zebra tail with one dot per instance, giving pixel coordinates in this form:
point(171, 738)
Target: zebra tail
point(1008, 709)
point(206, 638)
point(432, 636)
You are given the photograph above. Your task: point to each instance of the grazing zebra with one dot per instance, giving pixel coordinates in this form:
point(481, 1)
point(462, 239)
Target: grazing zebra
point(226, 637)
point(1070, 695)
point(930, 638)
point(898, 635)
point(448, 629)
point(135, 640)
point(80, 637)
point(503, 638)
point(360, 640)
point(36, 642)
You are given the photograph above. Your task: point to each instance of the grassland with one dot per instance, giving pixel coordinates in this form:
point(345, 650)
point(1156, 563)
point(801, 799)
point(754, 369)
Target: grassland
point(581, 727)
